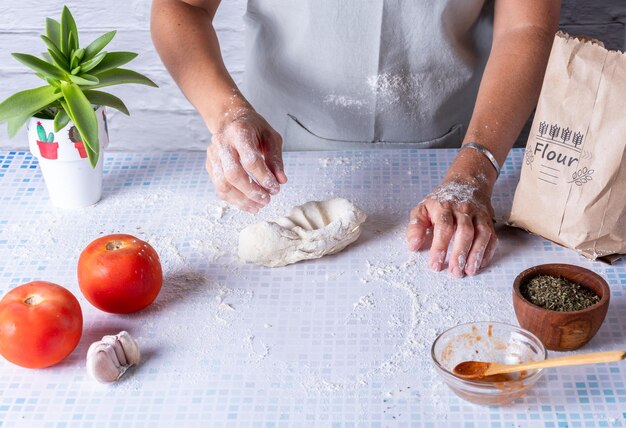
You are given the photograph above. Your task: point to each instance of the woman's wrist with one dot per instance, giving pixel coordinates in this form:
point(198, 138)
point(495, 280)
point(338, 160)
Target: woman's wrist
point(473, 167)
point(485, 152)
point(225, 109)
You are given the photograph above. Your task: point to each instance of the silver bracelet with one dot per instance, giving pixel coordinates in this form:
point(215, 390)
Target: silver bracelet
point(485, 151)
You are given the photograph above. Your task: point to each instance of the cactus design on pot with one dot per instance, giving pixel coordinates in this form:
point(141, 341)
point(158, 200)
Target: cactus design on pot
point(75, 138)
point(41, 133)
point(47, 147)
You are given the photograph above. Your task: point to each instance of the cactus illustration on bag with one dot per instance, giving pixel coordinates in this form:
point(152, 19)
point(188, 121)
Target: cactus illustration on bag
point(47, 147)
point(75, 138)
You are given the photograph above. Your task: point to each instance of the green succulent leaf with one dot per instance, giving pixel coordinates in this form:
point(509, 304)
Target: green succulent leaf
point(113, 60)
point(61, 119)
point(55, 53)
point(85, 80)
point(92, 155)
point(15, 124)
point(28, 102)
point(100, 98)
point(74, 63)
point(53, 32)
point(84, 118)
point(69, 32)
point(72, 43)
point(79, 53)
point(118, 76)
point(59, 60)
point(63, 105)
point(97, 45)
point(46, 57)
point(72, 74)
point(93, 62)
point(40, 66)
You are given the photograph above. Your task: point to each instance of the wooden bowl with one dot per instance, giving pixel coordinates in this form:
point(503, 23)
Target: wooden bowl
point(562, 331)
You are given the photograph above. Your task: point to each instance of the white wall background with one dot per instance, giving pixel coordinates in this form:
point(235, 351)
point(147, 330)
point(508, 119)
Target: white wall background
point(162, 119)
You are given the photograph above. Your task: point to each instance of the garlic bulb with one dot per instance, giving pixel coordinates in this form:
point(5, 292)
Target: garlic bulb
point(109, 358)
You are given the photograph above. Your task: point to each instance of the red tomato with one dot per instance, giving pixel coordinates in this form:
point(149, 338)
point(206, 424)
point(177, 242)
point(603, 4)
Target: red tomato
point(40, 324)
point(119, 274)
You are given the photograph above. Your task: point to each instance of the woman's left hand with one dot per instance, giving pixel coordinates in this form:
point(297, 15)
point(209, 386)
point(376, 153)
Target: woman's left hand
point(459, 208)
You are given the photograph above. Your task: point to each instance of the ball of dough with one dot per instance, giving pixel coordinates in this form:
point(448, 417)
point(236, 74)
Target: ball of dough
point(310, 231)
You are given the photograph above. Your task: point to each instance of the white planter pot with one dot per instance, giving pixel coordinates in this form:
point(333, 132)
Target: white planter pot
point(69, 177)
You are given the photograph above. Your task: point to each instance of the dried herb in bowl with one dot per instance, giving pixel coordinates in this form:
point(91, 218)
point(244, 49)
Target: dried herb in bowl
point(558, 294)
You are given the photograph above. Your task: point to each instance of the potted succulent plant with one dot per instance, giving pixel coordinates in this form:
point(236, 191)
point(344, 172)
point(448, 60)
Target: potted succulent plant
point(66, 117)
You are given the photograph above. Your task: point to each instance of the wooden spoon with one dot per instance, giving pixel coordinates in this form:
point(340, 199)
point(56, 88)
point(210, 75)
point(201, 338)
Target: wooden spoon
point(480, 369)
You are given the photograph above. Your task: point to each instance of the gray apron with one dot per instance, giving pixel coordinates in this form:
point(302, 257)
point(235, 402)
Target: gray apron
point(360, 74)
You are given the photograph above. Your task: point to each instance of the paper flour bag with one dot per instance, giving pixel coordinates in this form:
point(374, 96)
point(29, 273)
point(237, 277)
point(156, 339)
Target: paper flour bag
point(572, 188)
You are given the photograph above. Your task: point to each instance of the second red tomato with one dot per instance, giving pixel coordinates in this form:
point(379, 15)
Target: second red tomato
point(119, 274)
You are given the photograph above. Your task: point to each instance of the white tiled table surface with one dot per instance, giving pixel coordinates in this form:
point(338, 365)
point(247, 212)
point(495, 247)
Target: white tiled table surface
point(341, 341)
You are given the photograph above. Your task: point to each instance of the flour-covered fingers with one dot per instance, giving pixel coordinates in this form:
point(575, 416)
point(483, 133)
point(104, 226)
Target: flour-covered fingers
point(463, 238)
point(273, 145)
point(254, 164)
point(248, 147)
point(419, 225)
point(216, 172)
point(224, 189)
point(237, 177)
point(483, 228)
point(490, 251)
point(443, 230)
point(237, 199)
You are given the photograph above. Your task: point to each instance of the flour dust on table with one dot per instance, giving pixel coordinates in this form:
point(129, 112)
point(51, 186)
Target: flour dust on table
point(398, 300)
point(341, 339)
point(310, 231)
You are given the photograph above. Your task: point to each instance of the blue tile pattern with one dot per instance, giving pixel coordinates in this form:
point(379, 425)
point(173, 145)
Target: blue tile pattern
point(209, 365)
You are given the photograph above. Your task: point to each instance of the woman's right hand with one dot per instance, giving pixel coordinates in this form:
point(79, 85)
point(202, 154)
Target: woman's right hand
point(245, 161)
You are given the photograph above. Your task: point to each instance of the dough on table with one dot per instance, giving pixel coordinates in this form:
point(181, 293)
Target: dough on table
point(310, 231)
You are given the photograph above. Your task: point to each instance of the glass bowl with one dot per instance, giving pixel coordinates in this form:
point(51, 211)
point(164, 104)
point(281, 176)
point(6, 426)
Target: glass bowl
point(488, 341)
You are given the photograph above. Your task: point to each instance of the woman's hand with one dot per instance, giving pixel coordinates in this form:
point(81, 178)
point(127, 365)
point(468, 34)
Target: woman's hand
point(459, 208)
point(509, 89)
point(245, 161)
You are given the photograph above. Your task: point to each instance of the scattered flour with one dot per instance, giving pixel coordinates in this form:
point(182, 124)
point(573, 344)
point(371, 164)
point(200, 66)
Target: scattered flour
point(256, 352)
point(398, 299)
point(343, 101)
point(380, 91)
point(455, 192)
point(364, 302)
point(335, 161)
point(362, 305)
point(416, 305)
point(391, 89)
point(333, 277)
